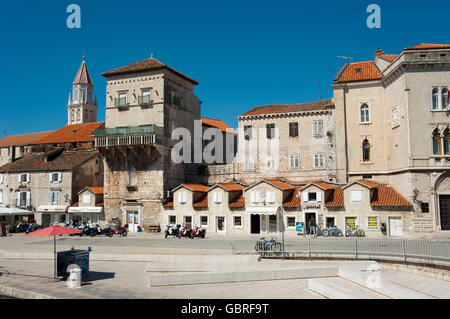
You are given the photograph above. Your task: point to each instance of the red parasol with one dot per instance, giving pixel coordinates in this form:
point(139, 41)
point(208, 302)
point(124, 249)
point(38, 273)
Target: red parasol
point(54, 231)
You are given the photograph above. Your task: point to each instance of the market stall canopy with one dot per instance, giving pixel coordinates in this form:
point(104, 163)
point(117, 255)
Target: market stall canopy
point(6, 211)
point(262, 210)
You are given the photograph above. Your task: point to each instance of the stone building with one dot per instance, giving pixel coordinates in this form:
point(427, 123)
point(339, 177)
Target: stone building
point(145, 102)
point(392, 123)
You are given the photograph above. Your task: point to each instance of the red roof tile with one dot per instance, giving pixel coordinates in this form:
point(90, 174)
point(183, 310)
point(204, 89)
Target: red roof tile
point(293, 200)
point(197, 187)
point(96, 189)
point(146, 65)
point(279, 184)
point(428, 46)
point(388, 57)
point(232, 187)
point(202, 202)
point(218, 124)
point(237, 201)
point(336, 198)
point(83, 75)
point(71, 134)
point(169, 203)
point(21, 140)
point(290, 108)
point(368, 183)
point(36, 162)
point(360, 71)
point(386, 196)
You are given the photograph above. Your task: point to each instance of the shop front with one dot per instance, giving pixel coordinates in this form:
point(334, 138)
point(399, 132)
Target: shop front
point(49, 215)
point(264, 219)
point(87, 214)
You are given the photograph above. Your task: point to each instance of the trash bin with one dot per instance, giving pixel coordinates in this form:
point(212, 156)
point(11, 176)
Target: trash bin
point(69, 257)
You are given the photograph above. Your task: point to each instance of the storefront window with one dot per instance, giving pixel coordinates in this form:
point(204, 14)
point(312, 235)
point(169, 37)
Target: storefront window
point(203, 220)
point(237, 221)
point(291, 221)
point(372, 222)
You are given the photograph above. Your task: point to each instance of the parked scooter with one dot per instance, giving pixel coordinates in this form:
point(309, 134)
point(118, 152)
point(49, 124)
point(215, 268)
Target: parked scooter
point(21, 227)
point(32, 227)
point(84, 230)
point(172, 231)
point(198, 232)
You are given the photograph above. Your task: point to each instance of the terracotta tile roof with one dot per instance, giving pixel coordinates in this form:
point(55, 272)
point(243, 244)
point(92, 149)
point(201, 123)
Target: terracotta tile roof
point(169, 203)
point(146, 65)
point(237, 201)
point(368, 183)
point(83, 75)
point(24, 139)
point(293, 200)
point(36, 162)
point(279, 184)
point(289, 108)
point(336, 198)
point(96, 189)
point(202, 202)
point(218, 124)
point(428, 46)
point(388, 57)
point(386, 196)
point(197, 187)
point(71, 134)
point(232, 187)
point(360, 71)
point(324, 185)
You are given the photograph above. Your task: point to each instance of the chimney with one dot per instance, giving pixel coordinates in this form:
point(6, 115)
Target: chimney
point(12, 153)
point(378, 53)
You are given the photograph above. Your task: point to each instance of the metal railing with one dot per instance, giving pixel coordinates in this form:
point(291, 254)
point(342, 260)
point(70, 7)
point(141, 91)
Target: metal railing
point(407, 250)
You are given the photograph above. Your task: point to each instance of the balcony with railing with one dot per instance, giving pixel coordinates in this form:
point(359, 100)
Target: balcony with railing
point(121, 103)
point(128, 136)
point(144, 100)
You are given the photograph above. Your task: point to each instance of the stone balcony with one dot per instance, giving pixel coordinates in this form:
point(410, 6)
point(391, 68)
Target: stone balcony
point(128, 136)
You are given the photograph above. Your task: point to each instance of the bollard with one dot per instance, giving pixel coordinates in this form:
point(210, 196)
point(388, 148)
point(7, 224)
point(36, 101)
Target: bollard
point(74, 280)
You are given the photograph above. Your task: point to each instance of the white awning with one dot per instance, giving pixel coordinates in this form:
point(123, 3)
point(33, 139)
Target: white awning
point(85, 209)
point(53, 209)
point(262, 210)
point(6, 211)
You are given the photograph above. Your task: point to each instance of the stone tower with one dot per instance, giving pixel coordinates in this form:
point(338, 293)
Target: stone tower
point(82, 108)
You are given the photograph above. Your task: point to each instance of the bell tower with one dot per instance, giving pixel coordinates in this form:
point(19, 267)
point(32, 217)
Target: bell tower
point(82, 108)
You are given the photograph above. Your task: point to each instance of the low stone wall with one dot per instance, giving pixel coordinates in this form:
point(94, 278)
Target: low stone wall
point(428, 270)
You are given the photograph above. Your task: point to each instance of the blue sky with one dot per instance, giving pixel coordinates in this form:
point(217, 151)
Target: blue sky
point(244, 53)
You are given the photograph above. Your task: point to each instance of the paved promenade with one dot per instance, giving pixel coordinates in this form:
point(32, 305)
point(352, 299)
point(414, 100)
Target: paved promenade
point(31, 278)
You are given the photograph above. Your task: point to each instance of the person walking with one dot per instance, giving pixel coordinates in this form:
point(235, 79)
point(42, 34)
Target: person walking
point(312, 227)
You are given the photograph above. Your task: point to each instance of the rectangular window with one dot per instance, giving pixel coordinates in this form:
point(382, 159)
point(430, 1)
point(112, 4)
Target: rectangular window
point(318, 161)
point(55, 177)
point(145, 98)
point(218, 197)
point(237, 221)
point(1, 196)
point(255, 197)
point(270, 130)
point(425, 207)
point(249, 163)
point(318, 128)
point(356, 196)
point(182, 197)
point(53, 198)
point(294, 161)
point(174, 99)
point(350, 222)
point(1, 178)
point(372, 222)
point(203, 220)
point(270, 197)
point(172, 220)
point(86, 198)
point(293, 129)
point(291, 222)
point(248, 132)
point(395, 117)
point(270, 162)
point(122, 100)
point(312, 197)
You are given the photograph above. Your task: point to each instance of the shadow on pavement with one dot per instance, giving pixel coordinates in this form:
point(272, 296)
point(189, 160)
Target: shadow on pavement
point(97, 275)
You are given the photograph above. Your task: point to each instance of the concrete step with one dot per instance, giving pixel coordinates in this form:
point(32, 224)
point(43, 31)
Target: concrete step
point(242, 276)
point(376, 282)
point(339, 288)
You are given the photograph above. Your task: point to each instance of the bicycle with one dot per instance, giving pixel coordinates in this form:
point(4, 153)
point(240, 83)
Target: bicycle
point(354, 232)
point(264, 245)
point(332, 231)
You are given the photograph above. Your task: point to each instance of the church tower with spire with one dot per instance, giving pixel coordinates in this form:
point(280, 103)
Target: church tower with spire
point(82, 108)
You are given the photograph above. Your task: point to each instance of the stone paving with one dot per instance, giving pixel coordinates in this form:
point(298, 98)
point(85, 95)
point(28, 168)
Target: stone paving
point(121, 280)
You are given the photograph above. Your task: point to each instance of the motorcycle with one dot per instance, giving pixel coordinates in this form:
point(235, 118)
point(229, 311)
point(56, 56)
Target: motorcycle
point(184, 232)
point(172, 231)
point(116, 229)
point(198, 232)
point(84, 230)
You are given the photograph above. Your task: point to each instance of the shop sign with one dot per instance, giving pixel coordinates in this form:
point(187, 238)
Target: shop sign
point(300, 227)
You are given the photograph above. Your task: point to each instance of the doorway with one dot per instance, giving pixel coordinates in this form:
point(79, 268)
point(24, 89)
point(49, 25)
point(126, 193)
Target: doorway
point(133, 221)
point(220, 224)
point(395, 226)
point(187, 222)
point(444, 210)
point(255, 224)
point(308, 217)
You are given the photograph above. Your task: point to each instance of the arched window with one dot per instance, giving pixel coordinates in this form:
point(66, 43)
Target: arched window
point(365, 113)
point(444, 98)
point(435, 98)
point(366, 150)
point(78, 115)
point(72, 119)
point(447, 142)
point(437, 142)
